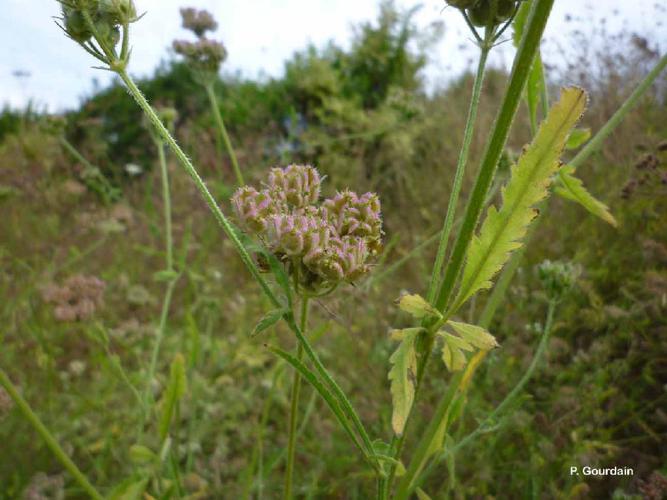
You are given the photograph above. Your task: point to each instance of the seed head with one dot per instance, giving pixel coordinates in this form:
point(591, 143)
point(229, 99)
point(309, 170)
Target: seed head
point(297, 185)
point(198, 21)
point(203, 55)
point(321, 244)
point(558, 278)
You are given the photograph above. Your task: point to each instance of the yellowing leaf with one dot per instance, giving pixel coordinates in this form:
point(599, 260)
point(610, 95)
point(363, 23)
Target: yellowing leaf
point(417, 306)
point(475, 335)
point(503, 229)
point(453, 357)
point(401, 375)
point(573, 189)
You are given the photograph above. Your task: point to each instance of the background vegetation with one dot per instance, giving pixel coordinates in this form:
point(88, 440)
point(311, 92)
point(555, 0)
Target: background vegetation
point(364, 118)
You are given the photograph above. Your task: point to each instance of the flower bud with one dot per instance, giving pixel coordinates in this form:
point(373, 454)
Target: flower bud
point(298, 185)
point(483, 13)
point(252, 208)
point(198, 21)
point(75, 25)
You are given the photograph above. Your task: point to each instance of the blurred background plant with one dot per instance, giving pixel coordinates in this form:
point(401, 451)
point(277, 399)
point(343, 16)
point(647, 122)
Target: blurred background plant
point(363, 115)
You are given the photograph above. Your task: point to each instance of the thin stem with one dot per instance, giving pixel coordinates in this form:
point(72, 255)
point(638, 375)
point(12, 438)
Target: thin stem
point(166, 303)
point(460, 169)
point(426, 442)
point(596, 142)
point(530, 43)
point(223, 132)
point(487, 423)
point(166, 200)
point(201, 186)
point(50, 441)
point(294, 407)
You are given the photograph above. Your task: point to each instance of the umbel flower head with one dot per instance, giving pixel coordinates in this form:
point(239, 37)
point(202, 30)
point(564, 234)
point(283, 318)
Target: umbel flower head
point(198, 21)
point(321, 244)
point(205, 55)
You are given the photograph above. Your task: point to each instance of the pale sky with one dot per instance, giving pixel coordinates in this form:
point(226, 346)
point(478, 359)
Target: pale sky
point(260, 35)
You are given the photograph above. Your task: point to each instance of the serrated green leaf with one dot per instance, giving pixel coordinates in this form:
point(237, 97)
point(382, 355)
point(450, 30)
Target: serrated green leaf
point(416, 306)
point(577, 138)
point(475, 335)
point(269, 319)
point(403, 369)
point(503, 229)
point(173, 393)
point(572, 188)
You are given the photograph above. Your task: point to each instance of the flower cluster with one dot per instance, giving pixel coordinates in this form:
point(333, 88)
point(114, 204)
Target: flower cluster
point(198, 21)
point(321, 243)
point(204, 56)
point(76, 299)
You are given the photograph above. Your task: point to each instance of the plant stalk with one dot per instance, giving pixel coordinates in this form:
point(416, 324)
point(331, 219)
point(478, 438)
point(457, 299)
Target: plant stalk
point(525, 56)
point(223, 132)
point(48, 438)
point(294, 407)
point(199, 183)
point(485, 48)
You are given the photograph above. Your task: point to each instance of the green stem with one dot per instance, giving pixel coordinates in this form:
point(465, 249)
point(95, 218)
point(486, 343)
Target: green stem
point(294, 407)
point(596, 142)
point(529, 46)
point(500, 289)
point(460, 168)
point(76, 154)
point(199, 183)
point(166, 200)
point(223, 132)
point(487, 423)
point(426, 442)
point(166, 303)
point(51, 442)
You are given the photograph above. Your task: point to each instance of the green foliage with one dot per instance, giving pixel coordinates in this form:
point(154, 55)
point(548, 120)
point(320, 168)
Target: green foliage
point(503, 229)
point(403, 370)
point(572, 188)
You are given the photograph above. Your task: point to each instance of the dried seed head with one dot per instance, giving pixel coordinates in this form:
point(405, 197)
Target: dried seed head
point(322, 244)
point(297, 185)
point(203, 55)
point(198, 21)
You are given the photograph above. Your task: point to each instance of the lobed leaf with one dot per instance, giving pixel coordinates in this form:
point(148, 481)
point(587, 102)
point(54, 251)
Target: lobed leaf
point(572, 188)
point(417, 306)
point(475, 335)
point(503, 229)
point(401, 375)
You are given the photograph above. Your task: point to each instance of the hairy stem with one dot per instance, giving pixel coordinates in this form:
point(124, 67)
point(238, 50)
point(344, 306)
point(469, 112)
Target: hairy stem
point(294, 407)
point(48, 438)
point(201, 186)
point(223, 132)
